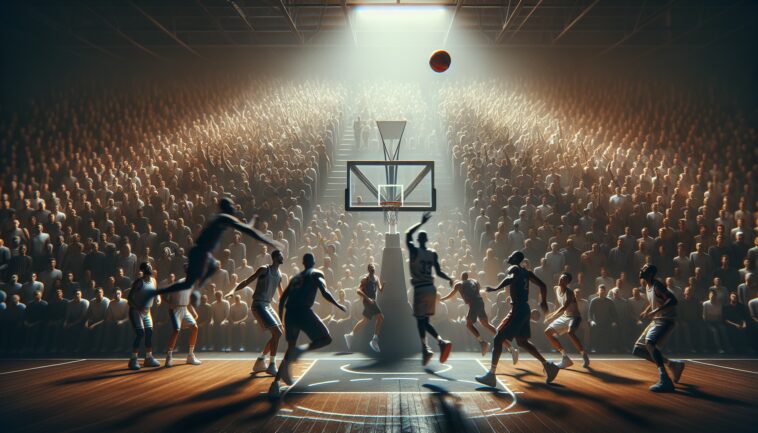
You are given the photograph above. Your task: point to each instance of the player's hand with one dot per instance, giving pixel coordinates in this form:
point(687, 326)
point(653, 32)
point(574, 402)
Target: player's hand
point(543, 306)
point(490, 289)
point(426, 216)
point(230, 294)
point(451, 282)
point(593, 323)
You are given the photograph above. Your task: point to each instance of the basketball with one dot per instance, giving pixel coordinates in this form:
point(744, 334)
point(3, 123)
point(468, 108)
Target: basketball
point(440, 61)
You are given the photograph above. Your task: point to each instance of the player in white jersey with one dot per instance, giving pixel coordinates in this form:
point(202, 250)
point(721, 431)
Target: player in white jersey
point(422, 261)
point(470, 292)
point(661, 311)
point(269, 283)
point(181, 314)
point(565, 320)
point(368, 289)
point(140, 302)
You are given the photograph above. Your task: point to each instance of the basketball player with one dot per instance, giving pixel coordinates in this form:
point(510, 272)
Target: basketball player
point(202, 265)
point(661, 310)
point(181, 313)
point(140, 303)
point(367, 291)
point(516, 323)
point(269, 281)
point(469, 290)
point(422, 260)
point(297, 300)
point(566, 320)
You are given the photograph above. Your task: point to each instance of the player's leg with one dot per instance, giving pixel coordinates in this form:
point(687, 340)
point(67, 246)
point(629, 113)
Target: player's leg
point(139, 334)
point(374, 343)
point(176, 325)
point(559, 326)
point(273, 345)
point(191, 358)
point(358, 326)
point(501, 337)
point(575, 323)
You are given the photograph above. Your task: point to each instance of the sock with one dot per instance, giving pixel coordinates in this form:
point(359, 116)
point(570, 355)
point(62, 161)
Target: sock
point(582, 353)
point(272, 359)
point(170, 353)
point(563, 352)
point(149, 354)
point(191, 350)
point(134, 355)
point(480, 339)
point(375, 337)
point(493, 367)
point(262, 357)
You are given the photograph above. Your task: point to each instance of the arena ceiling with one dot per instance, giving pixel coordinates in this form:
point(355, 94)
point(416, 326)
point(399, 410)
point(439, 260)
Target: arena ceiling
point(170, 28)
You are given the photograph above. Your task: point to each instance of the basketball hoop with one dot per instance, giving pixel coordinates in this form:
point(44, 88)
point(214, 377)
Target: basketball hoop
point(390, 209)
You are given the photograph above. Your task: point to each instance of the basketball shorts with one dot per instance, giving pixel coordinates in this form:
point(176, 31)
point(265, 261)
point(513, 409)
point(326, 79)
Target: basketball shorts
point(656, 332)
point(564, 324)
point(306, 321)
point(516, 323)
point(141, 319)
point(371, 309)
point(476, 310)
point(265, 315)
point(181, 317)
point(424, 301)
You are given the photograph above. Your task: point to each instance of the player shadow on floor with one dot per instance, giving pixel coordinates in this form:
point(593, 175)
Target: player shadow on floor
point(105, 375)
point(694, 391)
point(608, 377)
point(263, 406)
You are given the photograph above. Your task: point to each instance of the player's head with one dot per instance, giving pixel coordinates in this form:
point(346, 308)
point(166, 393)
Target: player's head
point(277, 257)
point(371, 268)
point(647, 273)
point(422, 237)
point(226, 206)
point(464, 276)
point(309, 260)
point(565, 278)
point(146, 269)
point(516, 258)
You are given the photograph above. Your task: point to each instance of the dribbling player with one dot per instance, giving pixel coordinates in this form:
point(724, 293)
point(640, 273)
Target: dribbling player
point(565, 320)
point(661, 310)
point(297, 300)
point(367, 290)
point(516, 323)
point(422, 260)
point(470, 292)
point(269, 282)
point(140, 302)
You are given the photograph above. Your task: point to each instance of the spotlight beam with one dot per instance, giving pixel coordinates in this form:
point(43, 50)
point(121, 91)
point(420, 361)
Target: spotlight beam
point(458, 5)
point(349, 24)
point(508, 20)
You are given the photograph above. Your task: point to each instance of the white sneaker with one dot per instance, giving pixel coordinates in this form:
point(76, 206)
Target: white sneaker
point(514, 355)
point(485, 347)
point(566, 362)
point(192, 359)
point(260, 365)
point(374, 344)
point(488, 379)
point(349, 341)
point(274, 391)
point(271, 370)
point(586, 358)
point(133, 364)
point(169, 361)
point(151, 362)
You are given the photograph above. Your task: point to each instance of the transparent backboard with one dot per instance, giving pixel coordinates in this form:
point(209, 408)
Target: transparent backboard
point(404, 185)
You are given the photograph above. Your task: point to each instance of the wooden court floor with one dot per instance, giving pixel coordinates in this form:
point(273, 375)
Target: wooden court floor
point(715, 395)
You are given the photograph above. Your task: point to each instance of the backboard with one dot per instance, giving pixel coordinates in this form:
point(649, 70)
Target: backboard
point(404, 185)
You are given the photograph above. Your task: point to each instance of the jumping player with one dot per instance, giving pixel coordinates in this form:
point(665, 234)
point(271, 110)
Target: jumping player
point(269, 281)
point(201, 264)
point(422, 260)
point(297, 300)
point(140, 302)
point(367, 291)
point(182, 314)
point(516, 323)
point(469, 290)
point(661, 310)
point(566, 320)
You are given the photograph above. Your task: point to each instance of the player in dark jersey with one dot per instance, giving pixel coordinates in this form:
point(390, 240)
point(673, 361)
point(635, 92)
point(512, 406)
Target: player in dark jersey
point(422, 261)
point(469, 290)
point(367, 290)
point(297, 300)
point(269, 283)
point(661, 311)
point(516, 323)
point(140, 302)
point(201, 264)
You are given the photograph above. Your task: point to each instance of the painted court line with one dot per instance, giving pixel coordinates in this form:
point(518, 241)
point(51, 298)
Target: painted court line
point(41, 366)
point(722, 366)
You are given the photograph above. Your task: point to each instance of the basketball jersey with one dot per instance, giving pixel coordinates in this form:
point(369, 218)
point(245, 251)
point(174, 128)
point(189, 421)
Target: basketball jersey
point(520, 285)
point(469, 291)
point(303, 290)
point(421, 268)
point(141, 293)
point(572, 309)
point(179, 299)
point(370, 287)
point(657, 301)
point(266, 285)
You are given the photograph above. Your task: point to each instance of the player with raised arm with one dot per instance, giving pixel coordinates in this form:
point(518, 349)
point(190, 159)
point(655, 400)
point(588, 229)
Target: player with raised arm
point(470, 292)
point(201, 264)
point(140, 301)
point(367, 290)
point(422, 260)
point(516, 323)
point(269, 282)
point(565, 320)
point(661, 311)
point(297, 301)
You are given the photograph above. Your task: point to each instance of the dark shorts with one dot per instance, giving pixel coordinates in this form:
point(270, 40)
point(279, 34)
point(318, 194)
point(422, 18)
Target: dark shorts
point(424, 301)
point(476, 310)
point(371, 309)
point(200, 263)
point(265, 315)
point(516, 324)
point(306, 321)
point(656, 332)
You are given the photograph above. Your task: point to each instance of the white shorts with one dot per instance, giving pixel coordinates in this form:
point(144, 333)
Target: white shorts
point(564, 324)
point(180, 316)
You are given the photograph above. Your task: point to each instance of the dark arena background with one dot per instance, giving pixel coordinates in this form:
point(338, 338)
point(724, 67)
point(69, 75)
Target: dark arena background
point(250, 155)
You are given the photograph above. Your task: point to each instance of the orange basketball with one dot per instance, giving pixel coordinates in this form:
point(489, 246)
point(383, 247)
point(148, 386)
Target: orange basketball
point(440, 61)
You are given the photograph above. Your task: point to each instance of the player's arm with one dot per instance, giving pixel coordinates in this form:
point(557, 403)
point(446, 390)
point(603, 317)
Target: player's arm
point(670, 299)
point(191, 309)
point(452, 293)
point(244, 283)
point(321, 284)
point(360, 291)
point(439, 272)
point(505, 283)
point(543, 290)
point(409, 233)
point(283, 299)
point(251, 231)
